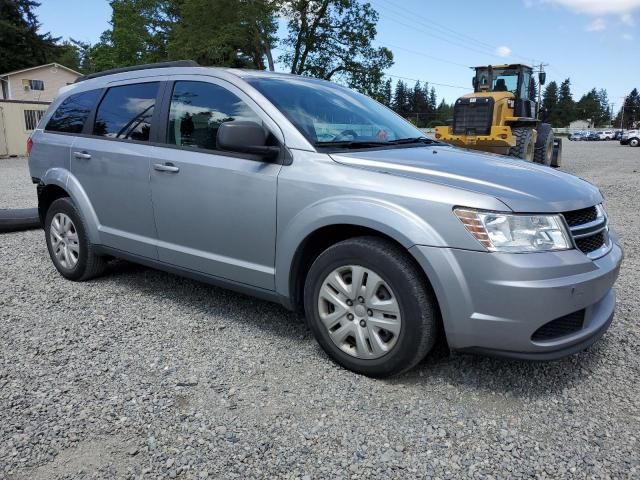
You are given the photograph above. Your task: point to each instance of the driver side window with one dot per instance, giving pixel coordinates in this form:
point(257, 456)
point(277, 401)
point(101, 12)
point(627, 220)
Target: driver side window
point(198, 109)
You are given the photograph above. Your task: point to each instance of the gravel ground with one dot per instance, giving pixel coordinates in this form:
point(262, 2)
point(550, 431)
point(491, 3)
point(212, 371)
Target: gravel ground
point(144, 374)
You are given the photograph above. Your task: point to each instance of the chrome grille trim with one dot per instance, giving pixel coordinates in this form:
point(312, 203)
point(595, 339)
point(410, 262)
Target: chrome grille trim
point(595, 227)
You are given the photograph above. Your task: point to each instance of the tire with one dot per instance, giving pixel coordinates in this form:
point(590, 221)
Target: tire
point(413, 316)
point(525, 146)
point(544, 145)
point(80, 264)
point(634, 142)
point(13, 220)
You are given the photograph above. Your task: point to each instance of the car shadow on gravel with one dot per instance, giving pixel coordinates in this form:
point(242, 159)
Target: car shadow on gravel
point(517, 378)
point(520, 379)
point(205, 298)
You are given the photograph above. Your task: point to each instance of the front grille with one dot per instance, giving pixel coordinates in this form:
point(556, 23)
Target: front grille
point(560, 327)
point(592, 243)
point(473, 116)
point(579, 217)
point(589, 228)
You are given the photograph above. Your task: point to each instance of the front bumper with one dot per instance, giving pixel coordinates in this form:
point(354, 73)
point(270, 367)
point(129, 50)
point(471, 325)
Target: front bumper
point(494, 302)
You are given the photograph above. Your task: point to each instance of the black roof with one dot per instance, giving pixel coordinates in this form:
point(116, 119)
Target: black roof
point(178, 63)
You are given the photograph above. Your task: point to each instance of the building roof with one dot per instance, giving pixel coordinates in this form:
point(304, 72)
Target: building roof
point(40, 66)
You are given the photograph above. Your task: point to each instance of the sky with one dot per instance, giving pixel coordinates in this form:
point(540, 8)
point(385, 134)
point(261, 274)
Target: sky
point(594, 42)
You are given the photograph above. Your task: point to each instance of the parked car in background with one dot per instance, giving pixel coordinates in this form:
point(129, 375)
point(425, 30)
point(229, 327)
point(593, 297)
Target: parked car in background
point(306, 193)
point(577, 136)
point(593, 137)
point(631, 138)
point(606, 134)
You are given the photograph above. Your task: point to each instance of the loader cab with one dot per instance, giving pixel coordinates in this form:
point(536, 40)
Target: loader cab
point(516, 79)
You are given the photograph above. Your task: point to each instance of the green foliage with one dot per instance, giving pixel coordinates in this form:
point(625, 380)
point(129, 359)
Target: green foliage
point(240, 34)
point(331, 39)
point(631, 111)
point(21, 46)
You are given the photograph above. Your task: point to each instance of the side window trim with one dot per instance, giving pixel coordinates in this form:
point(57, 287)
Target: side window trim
point(88, 125)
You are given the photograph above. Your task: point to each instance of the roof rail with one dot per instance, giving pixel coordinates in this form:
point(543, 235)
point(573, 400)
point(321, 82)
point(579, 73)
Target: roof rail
point(178, 63)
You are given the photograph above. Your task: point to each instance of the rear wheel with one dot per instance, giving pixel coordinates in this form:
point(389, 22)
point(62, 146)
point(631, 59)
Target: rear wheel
point(544, 145)
point(368, 306)
point(525, 144)
point(68, 244)
point(634, 142)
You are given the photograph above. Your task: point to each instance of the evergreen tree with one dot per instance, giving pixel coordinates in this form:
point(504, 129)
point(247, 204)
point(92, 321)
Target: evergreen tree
point(401, 99)
point(387, 93)
point(433, 101)
point(566, 105)
point(589, 108)
point(631, 111)
point(21, 46)
point(549, 108)
point(444, 114)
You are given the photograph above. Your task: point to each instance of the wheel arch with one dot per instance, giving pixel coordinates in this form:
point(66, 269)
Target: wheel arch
point(316, 228)
point(58, 183)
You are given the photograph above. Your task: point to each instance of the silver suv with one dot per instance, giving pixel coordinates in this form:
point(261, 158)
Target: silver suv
point(308, 194)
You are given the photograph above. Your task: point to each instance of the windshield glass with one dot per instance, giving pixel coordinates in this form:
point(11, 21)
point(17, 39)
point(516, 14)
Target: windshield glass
point(504, 79)
point(327, 114)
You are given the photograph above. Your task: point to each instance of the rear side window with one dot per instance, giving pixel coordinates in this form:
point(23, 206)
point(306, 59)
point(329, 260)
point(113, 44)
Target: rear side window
point(125, 112)
point(73, 112)
point(198, 109)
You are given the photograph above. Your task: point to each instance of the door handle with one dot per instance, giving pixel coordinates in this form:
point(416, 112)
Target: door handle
point(82, 155)
point(166, 167)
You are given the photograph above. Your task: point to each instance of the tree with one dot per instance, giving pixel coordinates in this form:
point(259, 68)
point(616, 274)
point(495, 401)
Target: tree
point(549, 110)
point(590, 108)
point(21, 46)
point(401, 100)
point(331, 39)
point(444, 113)
point(240, 34)
point(387, 93)
point(631, 111)
point(566, 106)
point(432, 103)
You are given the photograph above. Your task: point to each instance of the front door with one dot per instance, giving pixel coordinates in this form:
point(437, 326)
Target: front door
point(112, 165)
point(215, 211)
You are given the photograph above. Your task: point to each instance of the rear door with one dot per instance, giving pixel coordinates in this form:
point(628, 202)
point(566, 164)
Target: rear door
point(215, 211)
point(111, 161)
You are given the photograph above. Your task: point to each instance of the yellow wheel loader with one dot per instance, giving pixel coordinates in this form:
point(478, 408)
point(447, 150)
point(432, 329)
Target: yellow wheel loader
point(500, 116)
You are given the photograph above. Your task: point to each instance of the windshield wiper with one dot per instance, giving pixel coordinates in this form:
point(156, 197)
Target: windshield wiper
point(402, 141)
point(351, 144)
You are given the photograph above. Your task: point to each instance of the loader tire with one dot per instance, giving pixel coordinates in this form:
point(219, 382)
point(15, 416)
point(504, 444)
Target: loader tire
point(544, 145)
point(525, 144)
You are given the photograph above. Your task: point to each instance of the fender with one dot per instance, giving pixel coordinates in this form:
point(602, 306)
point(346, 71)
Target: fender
point(64, 179)
point(397, 222)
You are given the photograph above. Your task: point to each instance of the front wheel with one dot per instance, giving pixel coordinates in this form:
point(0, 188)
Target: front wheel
point(369, 307)
point(634, 142)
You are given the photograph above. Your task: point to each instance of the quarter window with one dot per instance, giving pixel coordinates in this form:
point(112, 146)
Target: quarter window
point(73, 112)
point(198, 109)
point(125, 112)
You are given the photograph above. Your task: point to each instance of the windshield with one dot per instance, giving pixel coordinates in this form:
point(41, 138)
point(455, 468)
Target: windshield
point(328, 114)
point(504, 79)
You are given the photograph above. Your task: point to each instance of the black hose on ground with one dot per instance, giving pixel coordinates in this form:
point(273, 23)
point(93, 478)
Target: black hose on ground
point(13, 220)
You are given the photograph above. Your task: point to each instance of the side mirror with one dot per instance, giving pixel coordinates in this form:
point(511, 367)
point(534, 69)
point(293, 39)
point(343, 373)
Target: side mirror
point(473, 82)
point(542, 77)
point(245, 137)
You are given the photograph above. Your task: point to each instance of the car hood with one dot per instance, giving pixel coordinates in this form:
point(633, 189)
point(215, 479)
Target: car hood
point(522, 186)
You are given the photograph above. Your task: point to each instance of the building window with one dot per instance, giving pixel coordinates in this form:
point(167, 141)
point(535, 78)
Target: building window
point(31, 118)
point(36, 84)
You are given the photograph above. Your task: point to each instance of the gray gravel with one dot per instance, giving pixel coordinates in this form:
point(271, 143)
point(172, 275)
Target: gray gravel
point(141, 373)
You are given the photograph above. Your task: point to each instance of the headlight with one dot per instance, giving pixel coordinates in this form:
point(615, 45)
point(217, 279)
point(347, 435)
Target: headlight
point(505, 232)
